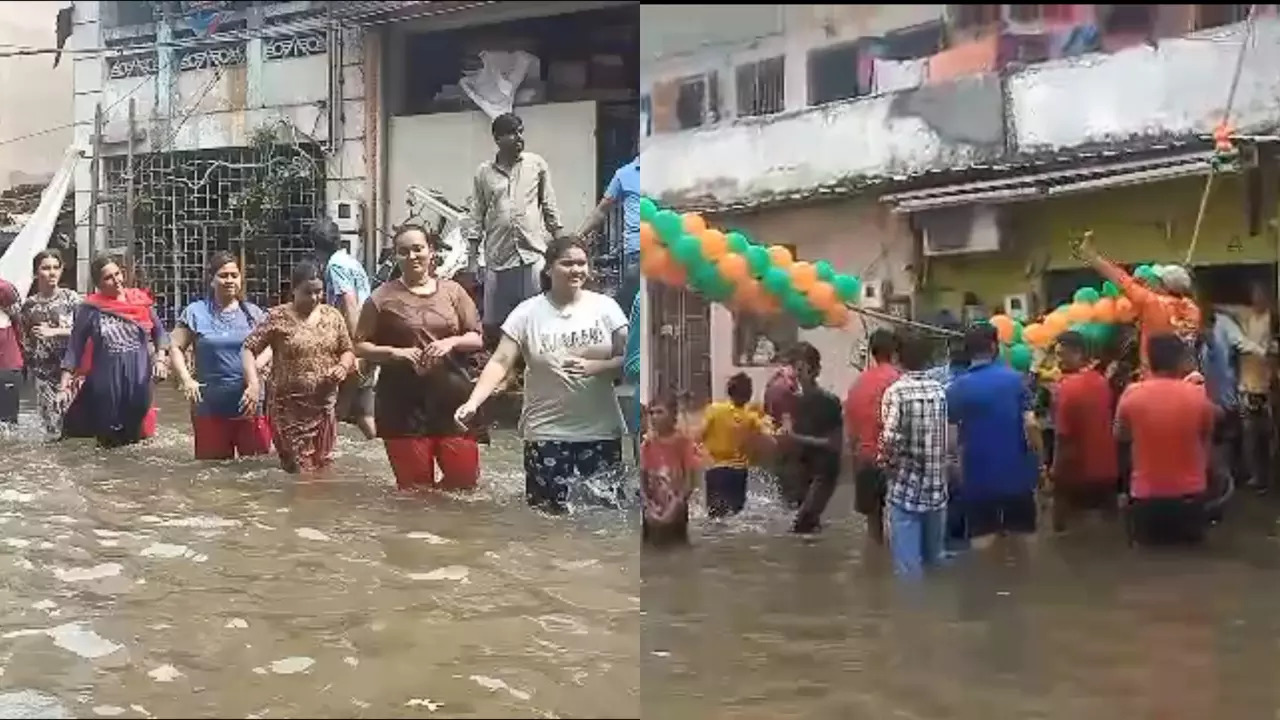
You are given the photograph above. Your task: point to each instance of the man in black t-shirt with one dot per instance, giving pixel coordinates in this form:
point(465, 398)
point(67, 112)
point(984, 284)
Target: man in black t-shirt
point(814, 438)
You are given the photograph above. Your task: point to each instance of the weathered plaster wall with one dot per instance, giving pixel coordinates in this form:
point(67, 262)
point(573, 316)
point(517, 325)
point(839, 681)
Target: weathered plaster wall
point(932, 127)
point(1178, 87)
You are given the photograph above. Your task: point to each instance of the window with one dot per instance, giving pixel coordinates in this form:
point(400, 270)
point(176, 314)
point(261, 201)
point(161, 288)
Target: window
point(1139, 19)
point(698, 101)
point(833, 74)
point(973, 17)
point(762, 341)
point(761, 87)
point(1041, 13)
point(126, 14)
point(1211, 16)
point(646, 116)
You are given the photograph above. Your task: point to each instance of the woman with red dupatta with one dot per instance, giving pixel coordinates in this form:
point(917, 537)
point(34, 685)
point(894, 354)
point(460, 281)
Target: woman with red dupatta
point(116, 330)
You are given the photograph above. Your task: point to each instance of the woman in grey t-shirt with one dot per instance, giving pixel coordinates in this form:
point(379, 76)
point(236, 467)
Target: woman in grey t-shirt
point(572, 341)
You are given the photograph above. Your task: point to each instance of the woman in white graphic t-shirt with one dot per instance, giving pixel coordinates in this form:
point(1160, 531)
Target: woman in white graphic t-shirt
point(572, 341)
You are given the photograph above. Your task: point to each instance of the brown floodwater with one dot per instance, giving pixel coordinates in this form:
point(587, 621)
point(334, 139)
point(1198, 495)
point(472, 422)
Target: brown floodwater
point(753, 623)
point(140, 583)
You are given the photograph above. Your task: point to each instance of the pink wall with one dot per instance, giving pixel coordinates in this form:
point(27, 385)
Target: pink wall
point(856, 236)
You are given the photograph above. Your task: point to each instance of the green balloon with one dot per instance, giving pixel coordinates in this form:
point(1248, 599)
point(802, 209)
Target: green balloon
point(706, 279)
point(1017, 332)
point(758, 259)
point(810, 320)
point(738, 243)
point(777, 281)
point(1063, 308)
point(668, 225)
point(1020, 357)
point(1087, 295)
point(686, 249)
point(797, 304)
point(847, 287)
point(648, 210)
point(1110, 290)
point(826, 273)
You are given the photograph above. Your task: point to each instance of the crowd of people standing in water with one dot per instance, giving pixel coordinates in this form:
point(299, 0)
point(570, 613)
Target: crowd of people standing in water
point(949, 457)
point(396, 361)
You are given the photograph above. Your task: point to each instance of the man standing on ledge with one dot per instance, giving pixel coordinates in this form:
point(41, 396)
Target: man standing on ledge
point(514, 214)
point(346, 287)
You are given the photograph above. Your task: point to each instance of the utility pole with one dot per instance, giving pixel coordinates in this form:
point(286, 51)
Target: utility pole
point(95, 169)
point(128, 178)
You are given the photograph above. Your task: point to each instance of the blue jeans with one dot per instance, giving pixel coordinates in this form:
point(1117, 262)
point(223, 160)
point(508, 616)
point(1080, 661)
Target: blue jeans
point(916, 539)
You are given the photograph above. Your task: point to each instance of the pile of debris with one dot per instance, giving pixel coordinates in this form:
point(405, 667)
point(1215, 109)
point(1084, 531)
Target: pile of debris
point(19, 202)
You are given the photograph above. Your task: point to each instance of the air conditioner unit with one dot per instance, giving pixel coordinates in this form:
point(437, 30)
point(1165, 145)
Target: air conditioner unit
point(961, 230)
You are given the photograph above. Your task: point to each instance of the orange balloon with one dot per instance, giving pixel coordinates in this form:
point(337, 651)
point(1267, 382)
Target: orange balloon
point(654, 260)
point(803, 275)
point(1034, 335)
point(748, 296)
point(1079, 313)
point(780, 257)
point(1054, 323)
point(734, 268)
point(1004, 327)
point(1125, 311)
point(694, 224)
point(768, 305)
point(1104, 311)
point(714, 244)
point(836, 316)
point(648, 236)
point(673, 274)
point(823, 296)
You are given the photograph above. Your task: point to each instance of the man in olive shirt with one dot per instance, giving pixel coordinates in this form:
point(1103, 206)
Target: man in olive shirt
point(514, 215)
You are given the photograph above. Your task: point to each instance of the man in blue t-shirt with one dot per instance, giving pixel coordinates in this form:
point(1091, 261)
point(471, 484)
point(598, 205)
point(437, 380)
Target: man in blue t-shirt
point(347, 287)
point(991, 408)
point(623, 188)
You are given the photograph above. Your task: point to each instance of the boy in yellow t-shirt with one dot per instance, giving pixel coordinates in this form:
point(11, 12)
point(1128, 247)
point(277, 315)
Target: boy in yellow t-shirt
point(729, 431)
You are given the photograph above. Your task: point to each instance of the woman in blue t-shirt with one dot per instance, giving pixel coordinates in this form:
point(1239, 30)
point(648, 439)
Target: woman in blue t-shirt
point(215, 328)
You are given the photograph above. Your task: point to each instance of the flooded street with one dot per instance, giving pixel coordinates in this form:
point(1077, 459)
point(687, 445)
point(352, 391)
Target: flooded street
point(140, 583)
point(753, 623)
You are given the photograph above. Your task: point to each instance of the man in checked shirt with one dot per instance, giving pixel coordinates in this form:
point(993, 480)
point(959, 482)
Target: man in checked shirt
point(913, 453)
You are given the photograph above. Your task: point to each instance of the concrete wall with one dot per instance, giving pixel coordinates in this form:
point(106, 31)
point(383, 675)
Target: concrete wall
point(1180, 86)
point(35, 97)
point(758, 159)
point(206, 109)
point(859, 236)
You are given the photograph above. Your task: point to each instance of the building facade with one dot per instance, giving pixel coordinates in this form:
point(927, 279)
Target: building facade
point(250, 121)
point(963, 149)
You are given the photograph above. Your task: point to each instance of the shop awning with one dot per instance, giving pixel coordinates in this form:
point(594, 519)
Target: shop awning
point(1036, 186)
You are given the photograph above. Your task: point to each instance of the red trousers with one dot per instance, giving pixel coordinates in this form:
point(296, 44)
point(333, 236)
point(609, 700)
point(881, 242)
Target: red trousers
point(225, 438)
point(414, 461)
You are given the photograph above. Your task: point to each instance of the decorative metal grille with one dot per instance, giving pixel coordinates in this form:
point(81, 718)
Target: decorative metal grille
point(189, 205)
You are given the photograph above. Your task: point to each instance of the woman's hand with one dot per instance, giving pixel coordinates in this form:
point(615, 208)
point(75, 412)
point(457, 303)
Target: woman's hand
point(160, 369)
point(465, 413)
point(412, 355)
point(249, 400)
point(43, 331)
point(440, 348)
point(191, 389)
point(581, 368)
point(337, 374)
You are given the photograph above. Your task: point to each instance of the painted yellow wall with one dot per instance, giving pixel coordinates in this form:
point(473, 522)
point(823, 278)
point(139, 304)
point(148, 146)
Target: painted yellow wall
point(1145, 223)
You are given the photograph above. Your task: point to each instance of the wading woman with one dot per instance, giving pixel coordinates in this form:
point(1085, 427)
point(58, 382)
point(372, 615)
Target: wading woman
point(46, 318)
point(310, 356)
point(216, 328)
point(572, 341)
point(417, 328)
point(117, 331)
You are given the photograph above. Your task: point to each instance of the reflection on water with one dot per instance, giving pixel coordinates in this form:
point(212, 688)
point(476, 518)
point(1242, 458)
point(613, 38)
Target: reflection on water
point(753, 623)
point(139, 583)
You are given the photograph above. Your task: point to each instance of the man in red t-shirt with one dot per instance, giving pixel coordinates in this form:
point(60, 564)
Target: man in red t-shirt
point(1085, 467)
point(863, 420)
point(10, 354)
point(1170, 422)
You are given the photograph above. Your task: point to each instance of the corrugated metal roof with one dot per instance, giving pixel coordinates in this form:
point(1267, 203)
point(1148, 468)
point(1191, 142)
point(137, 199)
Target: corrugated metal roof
point(1013, 165)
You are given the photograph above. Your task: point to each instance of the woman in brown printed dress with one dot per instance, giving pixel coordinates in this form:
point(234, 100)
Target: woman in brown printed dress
point(417, 328)
point(312, 355)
